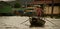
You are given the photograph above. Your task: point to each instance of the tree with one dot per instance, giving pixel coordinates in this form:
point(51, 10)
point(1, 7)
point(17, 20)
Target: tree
point(17, 5)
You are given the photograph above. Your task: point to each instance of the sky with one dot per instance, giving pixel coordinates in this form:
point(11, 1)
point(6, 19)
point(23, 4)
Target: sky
point(7, 0)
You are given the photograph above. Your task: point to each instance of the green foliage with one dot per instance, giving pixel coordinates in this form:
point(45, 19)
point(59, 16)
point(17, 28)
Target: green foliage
point(17, 5)
point(5, 7)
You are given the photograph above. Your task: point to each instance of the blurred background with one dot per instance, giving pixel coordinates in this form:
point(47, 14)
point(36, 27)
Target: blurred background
point(26, 7)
